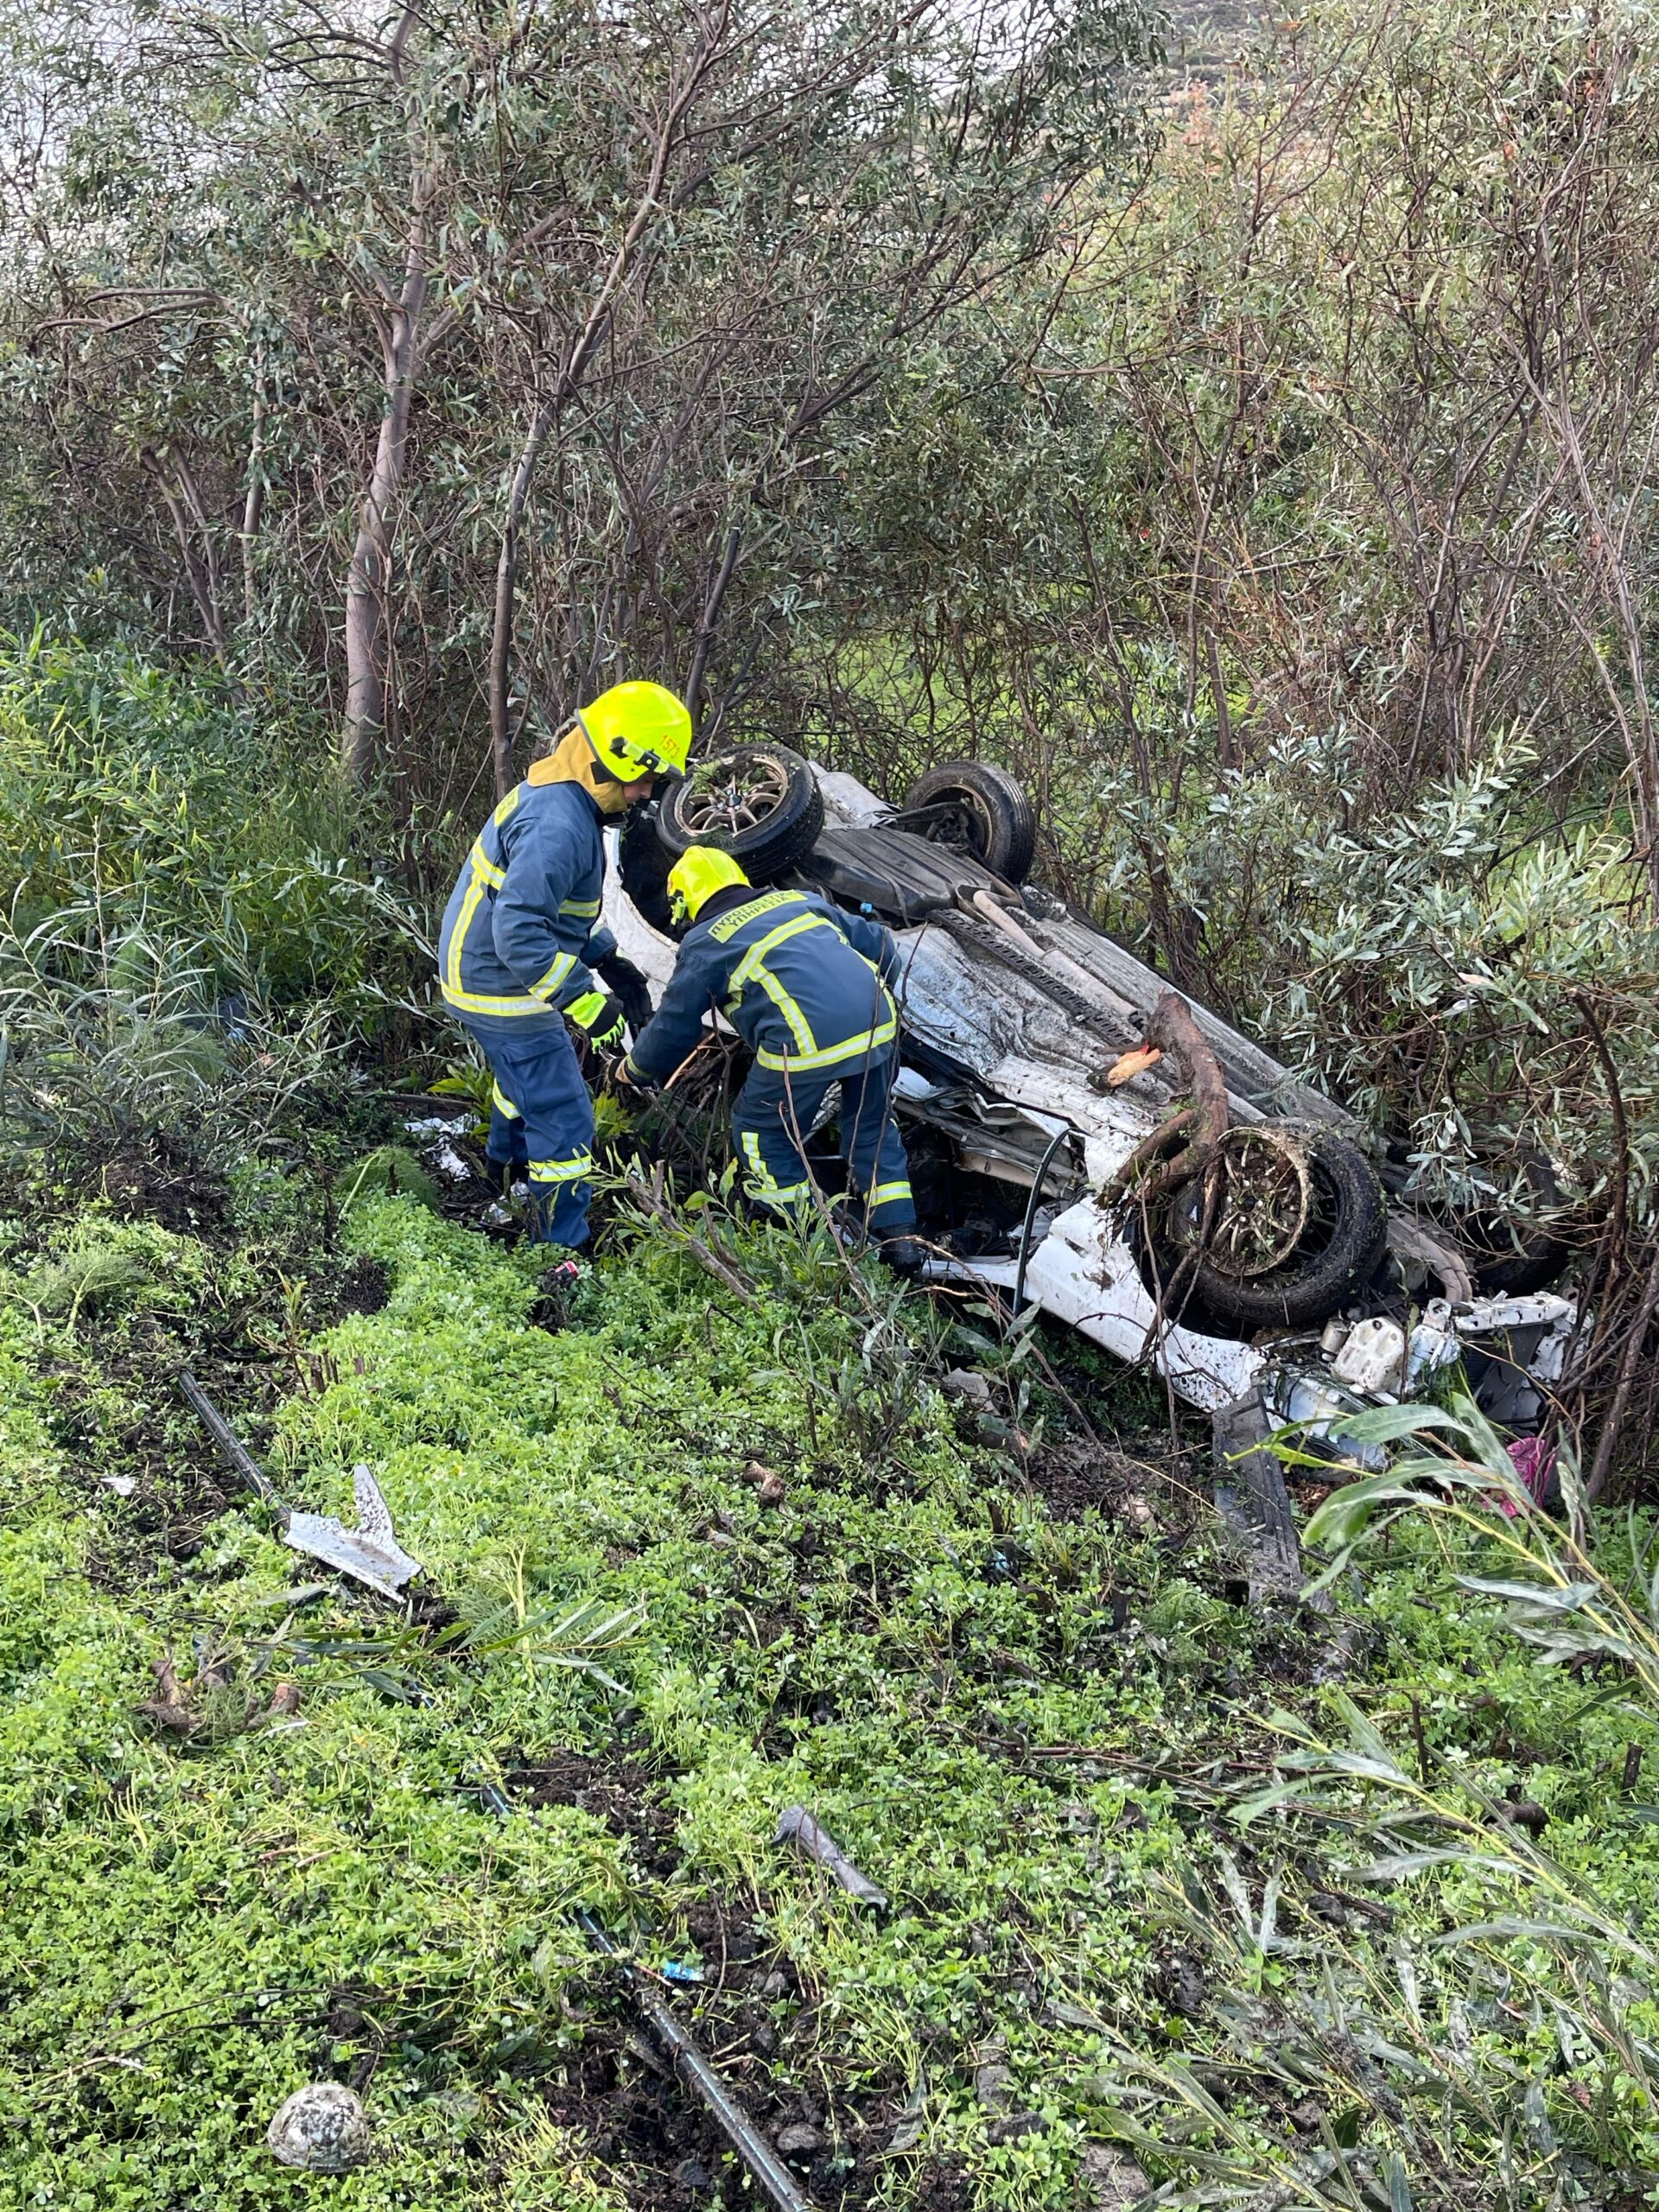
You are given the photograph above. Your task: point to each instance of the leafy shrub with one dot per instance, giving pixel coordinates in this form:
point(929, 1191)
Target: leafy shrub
point(164, 805)
point(91, 1276)
point(184, 935)
point(390, 1170)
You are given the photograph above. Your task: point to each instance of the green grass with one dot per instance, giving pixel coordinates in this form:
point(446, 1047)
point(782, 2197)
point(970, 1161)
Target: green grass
point(194, 1930)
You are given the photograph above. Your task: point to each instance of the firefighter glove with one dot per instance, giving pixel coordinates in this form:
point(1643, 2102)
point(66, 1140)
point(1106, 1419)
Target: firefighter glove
point(600, 1017)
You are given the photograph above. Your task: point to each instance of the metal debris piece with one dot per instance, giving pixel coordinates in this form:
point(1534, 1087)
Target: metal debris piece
point(322, 2127)
point(370, 1553)
point(773, 2176)
point(797, 1825)
point(1251, 1497)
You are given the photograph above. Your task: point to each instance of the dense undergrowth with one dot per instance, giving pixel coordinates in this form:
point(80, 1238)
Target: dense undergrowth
point(1294, 1911)
point(192, 928)
point(1046, 1739)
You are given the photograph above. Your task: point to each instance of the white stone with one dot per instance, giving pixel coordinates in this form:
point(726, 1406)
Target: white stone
point(323, 2128)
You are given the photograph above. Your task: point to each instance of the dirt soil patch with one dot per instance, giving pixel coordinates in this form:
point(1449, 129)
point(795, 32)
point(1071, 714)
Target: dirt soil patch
point(621, 1792)
point(146, 1181)
point(751, 2014)
point(1074, 1475)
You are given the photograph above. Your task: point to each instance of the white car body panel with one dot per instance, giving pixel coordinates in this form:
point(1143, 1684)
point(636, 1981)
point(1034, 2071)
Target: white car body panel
point(1030, 1053)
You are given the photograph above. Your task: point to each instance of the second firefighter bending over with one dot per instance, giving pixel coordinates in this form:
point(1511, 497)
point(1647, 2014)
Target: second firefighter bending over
point(810, 991)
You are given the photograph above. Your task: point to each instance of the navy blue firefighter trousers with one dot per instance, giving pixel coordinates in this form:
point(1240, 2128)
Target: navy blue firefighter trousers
point(774, 1112)
point(541, 1120)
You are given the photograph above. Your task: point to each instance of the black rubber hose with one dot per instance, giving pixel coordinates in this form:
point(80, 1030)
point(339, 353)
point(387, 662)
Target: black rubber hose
point(1031, 1204)
point(774, 2178)
point(232, 1450)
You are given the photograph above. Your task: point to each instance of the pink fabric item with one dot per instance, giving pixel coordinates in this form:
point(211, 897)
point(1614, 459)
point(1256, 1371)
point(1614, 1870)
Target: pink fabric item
point(1534, 1463)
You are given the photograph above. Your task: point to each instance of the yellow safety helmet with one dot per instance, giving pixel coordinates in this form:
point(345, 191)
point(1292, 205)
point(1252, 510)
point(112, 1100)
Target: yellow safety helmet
point(700, 871)
point(638, 729)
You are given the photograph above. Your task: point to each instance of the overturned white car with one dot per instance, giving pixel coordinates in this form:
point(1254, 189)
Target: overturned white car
point(1044, 1072)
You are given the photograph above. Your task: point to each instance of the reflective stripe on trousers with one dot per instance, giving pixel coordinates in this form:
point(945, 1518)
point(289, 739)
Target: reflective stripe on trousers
point(775, 1110)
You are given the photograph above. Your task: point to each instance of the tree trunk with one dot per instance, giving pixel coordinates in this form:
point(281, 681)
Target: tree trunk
point(369, 575)
point(253, 502)
point(368, 578)
point(507, 577)
point(569, 376)
point(171, 476)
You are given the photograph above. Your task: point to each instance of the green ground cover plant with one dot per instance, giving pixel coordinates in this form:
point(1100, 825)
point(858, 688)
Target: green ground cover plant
point(1067, 1756)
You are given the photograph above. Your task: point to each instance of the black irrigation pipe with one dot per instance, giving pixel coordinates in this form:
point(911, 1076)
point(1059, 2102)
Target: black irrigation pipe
point(774, 2178)
point(768, 2169)
point(230, 1447)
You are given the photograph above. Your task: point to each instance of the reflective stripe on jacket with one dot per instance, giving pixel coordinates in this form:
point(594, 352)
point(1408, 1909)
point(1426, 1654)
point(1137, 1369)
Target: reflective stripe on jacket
point(518, 934)
point(804, 985)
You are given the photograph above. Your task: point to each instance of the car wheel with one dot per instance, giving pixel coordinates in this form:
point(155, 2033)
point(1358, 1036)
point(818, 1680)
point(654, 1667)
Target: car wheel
point(759, 803)
point(1300, 1225)
point(980, 809)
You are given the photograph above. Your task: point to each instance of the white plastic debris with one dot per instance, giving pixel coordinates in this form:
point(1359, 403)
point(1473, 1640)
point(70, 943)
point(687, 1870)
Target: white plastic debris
point(323, 2128)
point(1373, 1357)
point(122, 1485)
point(1432, 1345)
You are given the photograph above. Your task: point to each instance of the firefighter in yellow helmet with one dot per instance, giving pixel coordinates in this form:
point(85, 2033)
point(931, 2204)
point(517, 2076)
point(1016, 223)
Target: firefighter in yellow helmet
point(521, 953)
point(809, 990)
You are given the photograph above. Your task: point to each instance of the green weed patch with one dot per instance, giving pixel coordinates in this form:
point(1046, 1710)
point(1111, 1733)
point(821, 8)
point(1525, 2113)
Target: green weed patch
point(1039, 1739)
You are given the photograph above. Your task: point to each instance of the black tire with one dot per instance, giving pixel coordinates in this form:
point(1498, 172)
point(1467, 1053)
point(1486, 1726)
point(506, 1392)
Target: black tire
point(982, 808)
point(643, 862)
point(1335, 1256)
point(1513, 1259)
point(759, 803)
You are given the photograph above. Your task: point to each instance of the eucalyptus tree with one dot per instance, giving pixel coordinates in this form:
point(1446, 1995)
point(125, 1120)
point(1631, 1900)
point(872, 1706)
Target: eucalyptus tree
point(319, 297)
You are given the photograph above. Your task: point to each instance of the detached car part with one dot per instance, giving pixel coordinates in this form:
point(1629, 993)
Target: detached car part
point(370, 1553)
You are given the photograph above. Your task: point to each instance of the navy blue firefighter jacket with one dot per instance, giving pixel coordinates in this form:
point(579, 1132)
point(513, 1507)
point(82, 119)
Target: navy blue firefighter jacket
point(518, 938)
point(807, 988)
